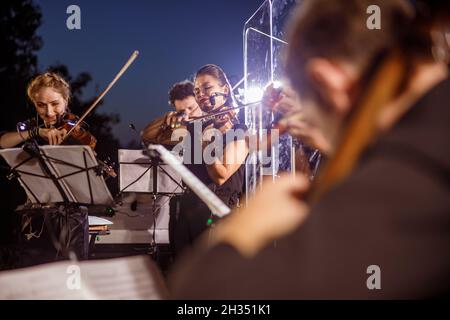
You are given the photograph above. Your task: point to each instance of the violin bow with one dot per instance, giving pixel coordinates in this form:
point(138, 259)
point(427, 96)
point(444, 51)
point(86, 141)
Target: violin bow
point(100, 97)
point(361, 127)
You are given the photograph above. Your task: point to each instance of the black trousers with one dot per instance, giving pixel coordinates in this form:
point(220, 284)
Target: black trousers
point(48, 236)
point(188, 220)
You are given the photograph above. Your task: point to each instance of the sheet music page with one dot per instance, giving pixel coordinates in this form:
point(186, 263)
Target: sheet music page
point(76, 186)
point(124, 278)
point(98, 221)
point(32, 185)
point(136, 174)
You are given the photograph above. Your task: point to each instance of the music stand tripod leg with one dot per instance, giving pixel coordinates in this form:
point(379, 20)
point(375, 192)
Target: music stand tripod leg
point(153, 246)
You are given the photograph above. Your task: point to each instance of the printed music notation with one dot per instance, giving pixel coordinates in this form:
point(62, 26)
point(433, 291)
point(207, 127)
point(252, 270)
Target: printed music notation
point(128, 278)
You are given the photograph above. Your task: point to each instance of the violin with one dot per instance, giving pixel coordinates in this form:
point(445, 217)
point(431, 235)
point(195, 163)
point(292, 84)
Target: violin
point(223, 121)
point(160, 132)
point(78, 134)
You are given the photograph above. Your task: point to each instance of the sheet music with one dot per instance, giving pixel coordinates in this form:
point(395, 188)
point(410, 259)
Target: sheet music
point(135, 174)
point(31, 184)
point(98, 221)
point(216, 205)
point(76, 182)
point(124, 278)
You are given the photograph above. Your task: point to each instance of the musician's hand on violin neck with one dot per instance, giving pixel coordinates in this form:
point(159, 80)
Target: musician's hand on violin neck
point(288, 102)
point(295, 118)
point(271, 96)
point(175, 119)
point(52, 135)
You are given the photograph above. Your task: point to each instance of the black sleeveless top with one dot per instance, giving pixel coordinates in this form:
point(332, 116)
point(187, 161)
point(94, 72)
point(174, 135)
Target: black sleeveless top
point(232, 189)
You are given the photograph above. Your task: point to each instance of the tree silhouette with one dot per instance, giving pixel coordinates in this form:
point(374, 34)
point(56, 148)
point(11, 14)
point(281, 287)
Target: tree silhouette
point(18, 60)
point(19, 43)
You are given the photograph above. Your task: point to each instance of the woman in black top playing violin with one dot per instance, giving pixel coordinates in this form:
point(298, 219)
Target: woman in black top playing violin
point(222, 173)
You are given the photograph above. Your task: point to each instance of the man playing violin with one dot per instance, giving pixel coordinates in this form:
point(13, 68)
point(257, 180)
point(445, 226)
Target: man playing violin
point(159, 131)
point(181, 97)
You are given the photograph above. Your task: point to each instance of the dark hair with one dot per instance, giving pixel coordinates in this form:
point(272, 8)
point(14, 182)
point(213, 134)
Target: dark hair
point(430, 15)
point(217, 72)
point(337, 30)
point(181, 90)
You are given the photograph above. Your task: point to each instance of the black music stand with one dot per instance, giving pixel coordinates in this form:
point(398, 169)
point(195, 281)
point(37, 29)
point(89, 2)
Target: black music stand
point(58, 177)
point(145, 174)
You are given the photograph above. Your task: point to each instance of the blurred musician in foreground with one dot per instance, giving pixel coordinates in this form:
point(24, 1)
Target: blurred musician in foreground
point(380, 227)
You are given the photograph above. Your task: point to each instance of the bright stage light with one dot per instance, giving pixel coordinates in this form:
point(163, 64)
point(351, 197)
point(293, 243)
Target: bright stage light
point(277, 84)
point(253, 94)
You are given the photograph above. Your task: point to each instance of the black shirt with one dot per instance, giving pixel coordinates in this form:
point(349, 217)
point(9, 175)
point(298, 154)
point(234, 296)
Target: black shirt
point(231, 190)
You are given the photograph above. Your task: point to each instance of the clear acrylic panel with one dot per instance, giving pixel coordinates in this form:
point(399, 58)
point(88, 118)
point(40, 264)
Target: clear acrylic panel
point(263, 45)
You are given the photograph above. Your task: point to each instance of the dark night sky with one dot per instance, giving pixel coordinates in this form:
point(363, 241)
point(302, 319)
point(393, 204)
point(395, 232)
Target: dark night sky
point(174, 38)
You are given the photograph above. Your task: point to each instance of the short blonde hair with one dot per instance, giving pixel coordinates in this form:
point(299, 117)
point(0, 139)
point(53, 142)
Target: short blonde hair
point(48, 80)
